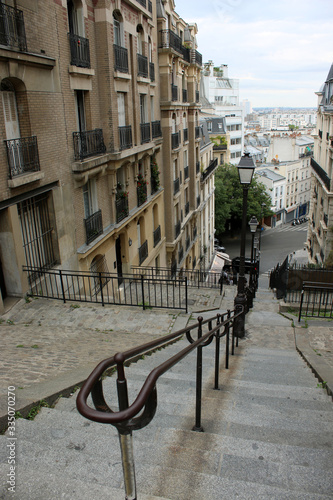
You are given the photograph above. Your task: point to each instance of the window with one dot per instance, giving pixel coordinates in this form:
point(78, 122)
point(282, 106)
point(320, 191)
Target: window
point(140, 36)
point(90, 198)
point(80, 110)
point(10, 110)
point(152, 110)
point(75, 17)
point(121, 109)
point(117, 29)
point(209, 126)
point(143, 109)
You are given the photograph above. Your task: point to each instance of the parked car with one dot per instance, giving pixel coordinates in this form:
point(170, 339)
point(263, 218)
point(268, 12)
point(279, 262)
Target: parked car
point(248, 265)
point(219, 248)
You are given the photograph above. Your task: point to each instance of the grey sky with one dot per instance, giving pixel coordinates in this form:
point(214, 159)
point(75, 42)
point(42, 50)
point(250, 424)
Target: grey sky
point(280, 50)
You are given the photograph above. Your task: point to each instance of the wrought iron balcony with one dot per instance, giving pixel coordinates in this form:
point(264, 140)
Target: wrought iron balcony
point(152, 72)
point(176, 186)
point(141, 192)
point(170, 40)
point(186, 53)
point(174, 92)
point(175, 140)
point(185, 173)
point(177, 229)
point(145, 132)
point(125, 137)
point(187, 208)
point(121, 206)
point(180, 255)
point(142, 66)
point(94, 226)
point(120, 59)
point(196, 57)
point(88, 143)
point(211, 167)
point(197, 132)
point(157, 235)
point(12, 30)
point(321, 173)
point(22, 154)
point(156, 130)
point(80, 52)
point(143, 252)
point(185, 134)
point(185, 95)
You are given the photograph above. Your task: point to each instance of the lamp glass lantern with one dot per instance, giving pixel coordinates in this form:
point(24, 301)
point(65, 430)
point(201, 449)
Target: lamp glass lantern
point(253, 224)
point(246, 168)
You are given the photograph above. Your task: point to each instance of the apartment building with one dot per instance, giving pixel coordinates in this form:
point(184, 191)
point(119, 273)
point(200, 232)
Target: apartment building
point(320, 235)
point(179, 69)
point(276, 187)
point(81, 177)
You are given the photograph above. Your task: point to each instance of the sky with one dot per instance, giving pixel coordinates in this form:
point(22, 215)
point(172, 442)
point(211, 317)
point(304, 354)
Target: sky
point(280, 50)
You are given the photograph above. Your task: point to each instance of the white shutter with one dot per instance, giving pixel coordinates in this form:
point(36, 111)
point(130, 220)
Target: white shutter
point(121, 109)
point(10, 113)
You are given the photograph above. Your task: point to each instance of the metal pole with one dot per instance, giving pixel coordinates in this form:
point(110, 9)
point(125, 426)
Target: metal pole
point(240, 299)
point(198, 427)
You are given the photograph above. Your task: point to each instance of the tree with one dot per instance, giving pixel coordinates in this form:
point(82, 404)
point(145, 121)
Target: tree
point(229, 199)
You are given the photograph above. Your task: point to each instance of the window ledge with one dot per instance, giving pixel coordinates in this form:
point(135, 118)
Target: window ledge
point(76, 70)
point(21, 180)
point(122, 76)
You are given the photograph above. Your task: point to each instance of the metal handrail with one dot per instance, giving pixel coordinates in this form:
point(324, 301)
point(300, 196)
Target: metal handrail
point(127, 418)
point(325, 299)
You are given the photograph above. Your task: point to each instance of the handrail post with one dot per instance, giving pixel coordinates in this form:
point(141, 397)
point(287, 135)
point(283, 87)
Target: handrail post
point(62, 287)
point(217, 354)
point(101, 287)
point(143, 293)
point(186, 296)
point(125, 437)
point(198, 427)
point(300, 306)
point(227, 329)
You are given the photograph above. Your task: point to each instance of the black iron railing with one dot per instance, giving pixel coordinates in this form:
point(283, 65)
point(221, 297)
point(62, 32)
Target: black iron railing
point(151, 72)
point(22, 154)
point(156, 130)
point(175, 140)
point(211, 167)
point(125, 137)
point(121, 207)
point(143, 252)
point(174, 92)
point(176, 186)
point(94, 226)
point(142, 66)
point(170, 40)
point(141, 411)
point(185, 134)
point(177, 229)
point(185, 95)
point(197, 279)
point(12, 29)
point(196, 57)
point(145, 132)
point(80, 52)
point(321, 173)
point(88, 143)
point(316, 300)
point(187, 208)
point(278, 279)
point(120, 59)
point(103, 288)
point(157, 235)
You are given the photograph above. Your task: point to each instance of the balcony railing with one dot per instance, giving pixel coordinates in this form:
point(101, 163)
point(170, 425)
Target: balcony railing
point(151, 72)
point(211, 167)
point(80, 52)
point(197, 96)
point(185, 134)
point(94, 226)
point(175, 140)
point(121, 207)
point(321, 173)
point(174, 92)
point(177, 229)
point(145, 132)
point(125, 137)
point(143, 252)
point(88, 143)
point(157, 235)
point(12, 30)
point(185, 173)
point(185, 95)
point(198, 200)
point(141, 192)
point(120, 59)
point(187, 208)
point(197, 132)
point(170, 40)
point(176, 186)
point(180, 255)
point(197, 167)
point(196, 57)
point(22, 154)
point(142, 66)
point(156, 130)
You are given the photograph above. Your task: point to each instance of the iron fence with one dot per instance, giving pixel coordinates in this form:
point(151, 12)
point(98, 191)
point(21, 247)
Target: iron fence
point(142, 65)
point(94, 226)
point(80, 52)
point(120, 59)
point(278, 279)
point(22, 154)
point(12, 29)
point(316, 300)
point(106, 288)
point(196, 279)
point(88, 143)
point(125, 137)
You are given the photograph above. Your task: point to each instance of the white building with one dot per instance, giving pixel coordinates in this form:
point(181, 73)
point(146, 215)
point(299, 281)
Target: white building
point(275, 186)
point(222, 93)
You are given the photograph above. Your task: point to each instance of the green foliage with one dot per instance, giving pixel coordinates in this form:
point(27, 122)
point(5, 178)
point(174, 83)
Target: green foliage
point(35, 410)
point(229, 197)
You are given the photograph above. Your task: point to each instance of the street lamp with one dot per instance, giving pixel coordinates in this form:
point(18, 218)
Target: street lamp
point(246, 168)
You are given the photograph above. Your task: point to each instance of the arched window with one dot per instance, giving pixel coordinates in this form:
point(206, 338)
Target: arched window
point(173, 125)
point(75, 17)
point(140, 39)
point(10, 110)
point(118, 34)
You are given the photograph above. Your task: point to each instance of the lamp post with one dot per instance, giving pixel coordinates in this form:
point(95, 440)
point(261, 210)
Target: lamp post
point(253, 228)
point(246, 168)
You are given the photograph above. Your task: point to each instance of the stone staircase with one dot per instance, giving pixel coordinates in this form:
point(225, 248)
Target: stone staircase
point(267, 431)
